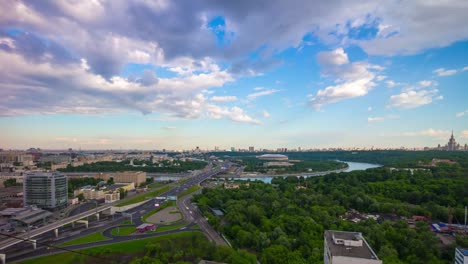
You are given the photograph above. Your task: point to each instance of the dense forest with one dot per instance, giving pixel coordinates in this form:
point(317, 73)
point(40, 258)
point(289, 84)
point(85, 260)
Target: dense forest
point(395, 158)
point(284, 224)
point(112, 166)
point(256, 165)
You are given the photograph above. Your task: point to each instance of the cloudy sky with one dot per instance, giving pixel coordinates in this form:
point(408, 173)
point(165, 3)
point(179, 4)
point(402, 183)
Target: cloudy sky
point(178, 74)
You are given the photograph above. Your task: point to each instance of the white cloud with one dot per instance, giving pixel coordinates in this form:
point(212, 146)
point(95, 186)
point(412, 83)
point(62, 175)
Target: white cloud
point(258, 88)
point(223, 99)
point(253, 96)
point(369, 109)
point(375, 119)
point(334, 57)
point(463, 113)
point(381, 77)
point(465, 68)
point(23, 92)
point(426, 83)
point(354, 80)
point(265, 114)
point(391, 84)
point(381, 118)
point(168, 127)
point(444, 72)
point(413, 99)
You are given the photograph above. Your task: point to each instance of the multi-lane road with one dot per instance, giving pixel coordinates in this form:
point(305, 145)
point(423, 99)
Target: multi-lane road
point(189, 212)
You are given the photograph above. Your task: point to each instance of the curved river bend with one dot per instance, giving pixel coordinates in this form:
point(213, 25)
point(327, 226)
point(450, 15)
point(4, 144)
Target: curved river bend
point(352, 166)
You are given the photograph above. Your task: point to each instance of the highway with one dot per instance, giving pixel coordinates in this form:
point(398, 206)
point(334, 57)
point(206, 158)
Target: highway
point(136, 213)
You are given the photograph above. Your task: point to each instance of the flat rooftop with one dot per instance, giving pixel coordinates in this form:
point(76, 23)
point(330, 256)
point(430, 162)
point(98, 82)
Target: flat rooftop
point(363, 251)
point(33, 216)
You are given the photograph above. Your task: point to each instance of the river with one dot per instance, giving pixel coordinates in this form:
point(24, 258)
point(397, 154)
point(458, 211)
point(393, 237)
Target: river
point(352, 166)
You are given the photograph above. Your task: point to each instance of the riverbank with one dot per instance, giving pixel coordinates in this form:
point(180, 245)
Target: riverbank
point(304, 174)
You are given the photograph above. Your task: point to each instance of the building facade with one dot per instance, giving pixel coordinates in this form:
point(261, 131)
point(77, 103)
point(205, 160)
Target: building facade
point(347, 248)
point(137, 177)
point(461, 256)
point(46, 190)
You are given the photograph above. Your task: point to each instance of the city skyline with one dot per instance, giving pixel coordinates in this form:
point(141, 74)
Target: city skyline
point(165, 75)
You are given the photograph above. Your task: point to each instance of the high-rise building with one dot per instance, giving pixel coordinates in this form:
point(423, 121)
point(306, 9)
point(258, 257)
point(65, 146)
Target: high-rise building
point(452, 144)
point(251, 149)
point(46, 190)
point(347, 248)
point(461, 256)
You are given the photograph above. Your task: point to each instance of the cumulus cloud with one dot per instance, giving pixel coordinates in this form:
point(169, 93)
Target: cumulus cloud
point(334, 57)
point(413, 99)
point(415, 96)
point(29, 87)
point(445, 72)
point(355, 79)
point(463, 113)
point(265, 114)
point(255, 95)
point(391, 84)
point(465, 68)
point(223, 99)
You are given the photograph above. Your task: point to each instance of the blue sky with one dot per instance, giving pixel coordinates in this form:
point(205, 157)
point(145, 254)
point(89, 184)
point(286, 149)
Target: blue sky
point(159, 74)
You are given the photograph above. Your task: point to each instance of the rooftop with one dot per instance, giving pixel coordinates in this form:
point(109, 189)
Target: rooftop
point(342, 249)
point(464, 251)
point(32, 216)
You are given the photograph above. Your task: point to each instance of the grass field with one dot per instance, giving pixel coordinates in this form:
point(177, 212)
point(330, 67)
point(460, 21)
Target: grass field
point(123, 231)
point(189, 191)
point(152, 212)
point(128, 247)
point(85, 239)
point(142, 197)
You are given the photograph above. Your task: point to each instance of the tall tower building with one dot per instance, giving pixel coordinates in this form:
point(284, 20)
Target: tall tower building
point(452, 144)
point(46, 190)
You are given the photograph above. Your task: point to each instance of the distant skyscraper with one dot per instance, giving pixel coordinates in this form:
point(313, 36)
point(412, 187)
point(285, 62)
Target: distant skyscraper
point(251, 149)
point(452, 144)
point(233, 149)
point(46, 190)
point(216, 148)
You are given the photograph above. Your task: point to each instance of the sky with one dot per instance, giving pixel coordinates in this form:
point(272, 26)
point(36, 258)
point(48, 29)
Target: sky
point(114, 74)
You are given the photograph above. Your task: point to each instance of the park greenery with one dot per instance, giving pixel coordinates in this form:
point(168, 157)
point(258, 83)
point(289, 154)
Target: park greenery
point(10, 182)
point(284, 222)
point(114, 166)
point(253, 164)
point(183, 247)
point(93, 237)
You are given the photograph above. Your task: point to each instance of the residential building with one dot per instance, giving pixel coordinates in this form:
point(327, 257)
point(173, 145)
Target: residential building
point(46, 190)
point(343, 247)
point(137, 177)
point(461, 256)
point(16, 157)
point(112, 197)
point(56, 159)
point(251, 149)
